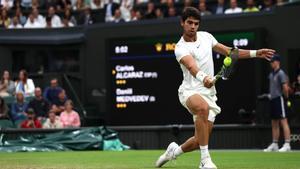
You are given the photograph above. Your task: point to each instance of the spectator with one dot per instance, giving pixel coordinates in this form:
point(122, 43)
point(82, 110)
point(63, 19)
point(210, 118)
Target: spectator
point(55, 19)
point(51, 92)
point(24, 84)
point(63, 5)
point(17, 4)
point(203, 10)
point(59, 105)
point(80, 5)
point(233, 8)
point(52, 122)
point(139, 15)
point(7, 4)
point(170, 3)
point(15, 24)
point(125, 8)
point(150, 13)
point(38, 18)
point(117, 17)
point(187, 3)
point(69, 117)
point(220, 8)
point(96, 4)
point(133, 16)
point(31, 121)
point(251, 6)
point(18, 109)
point(48, 22)
point(3, 109)
point(268, 5)
point(159, 14)
point(67, 23)
point(26, 4)
point(7, 86)
point(68, 15)
point(21, 17)
point(110, 9)
point(86, 17)
point(4, 19)
point(35, 4)
point(172, 12)
point(48, 3)
point(39, 105)
point(32, 22)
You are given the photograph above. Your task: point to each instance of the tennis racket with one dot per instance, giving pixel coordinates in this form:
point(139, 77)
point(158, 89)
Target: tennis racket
point(226, 71)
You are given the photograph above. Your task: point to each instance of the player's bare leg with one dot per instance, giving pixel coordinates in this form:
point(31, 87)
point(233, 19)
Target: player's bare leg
point(287, 135)
point(275, 136)
point(200, 109)
point(191, 144)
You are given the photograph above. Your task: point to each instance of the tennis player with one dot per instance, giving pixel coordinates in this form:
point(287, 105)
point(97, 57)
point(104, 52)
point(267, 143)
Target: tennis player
point(197, 92)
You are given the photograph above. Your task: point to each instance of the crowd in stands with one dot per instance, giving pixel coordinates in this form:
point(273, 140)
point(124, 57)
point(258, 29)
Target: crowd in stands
point(33, 108)
point(60, 13)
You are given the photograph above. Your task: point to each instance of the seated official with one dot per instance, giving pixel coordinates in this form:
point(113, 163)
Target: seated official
point(69, 118)
point(31, 121)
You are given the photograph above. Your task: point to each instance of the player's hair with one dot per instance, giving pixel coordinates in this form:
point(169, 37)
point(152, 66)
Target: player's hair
point(190, 12)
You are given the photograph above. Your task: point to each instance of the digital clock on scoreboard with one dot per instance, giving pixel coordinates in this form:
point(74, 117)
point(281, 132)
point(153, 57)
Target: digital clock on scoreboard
point(144, 77)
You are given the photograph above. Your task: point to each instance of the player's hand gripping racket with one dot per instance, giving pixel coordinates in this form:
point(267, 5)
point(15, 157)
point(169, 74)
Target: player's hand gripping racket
point(227, 67)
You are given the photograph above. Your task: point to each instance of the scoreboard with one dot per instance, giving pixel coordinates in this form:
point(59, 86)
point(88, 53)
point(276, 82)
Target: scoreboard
point(144, 76)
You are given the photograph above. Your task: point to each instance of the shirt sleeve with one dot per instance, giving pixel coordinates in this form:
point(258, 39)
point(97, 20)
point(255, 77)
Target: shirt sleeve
point(180, 52)
point(282, 77)
point(214, 41)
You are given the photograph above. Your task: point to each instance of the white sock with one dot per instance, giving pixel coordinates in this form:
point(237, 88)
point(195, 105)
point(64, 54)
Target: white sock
point(204, 152)
point(275, 142)
point(178, 151)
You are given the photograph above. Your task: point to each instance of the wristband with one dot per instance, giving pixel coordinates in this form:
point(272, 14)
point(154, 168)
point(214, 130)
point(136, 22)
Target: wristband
point(253, 53)
point(200, 76)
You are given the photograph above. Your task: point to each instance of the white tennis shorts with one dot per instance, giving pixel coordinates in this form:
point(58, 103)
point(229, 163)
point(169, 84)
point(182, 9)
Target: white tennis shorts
point(214, 109)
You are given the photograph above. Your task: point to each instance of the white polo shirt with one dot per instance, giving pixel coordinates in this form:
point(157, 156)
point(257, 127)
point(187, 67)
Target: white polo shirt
point(201, 50)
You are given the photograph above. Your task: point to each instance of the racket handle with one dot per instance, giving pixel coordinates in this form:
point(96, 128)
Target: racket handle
point(215, 78)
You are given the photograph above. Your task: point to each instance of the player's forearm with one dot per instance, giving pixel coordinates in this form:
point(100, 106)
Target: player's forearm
point(190, 64)
point(244, 54)
point(285, 90)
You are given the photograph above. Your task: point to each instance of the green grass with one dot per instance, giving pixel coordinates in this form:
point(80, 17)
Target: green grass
point(146, 159)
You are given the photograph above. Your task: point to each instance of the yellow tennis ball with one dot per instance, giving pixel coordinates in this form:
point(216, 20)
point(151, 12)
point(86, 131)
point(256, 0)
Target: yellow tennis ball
point(289, 103)
point(227, 61)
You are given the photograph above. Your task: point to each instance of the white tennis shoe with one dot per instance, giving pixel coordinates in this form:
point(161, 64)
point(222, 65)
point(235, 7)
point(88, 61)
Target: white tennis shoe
point(285, 148)
point(167, 156)
point(271, 147)
point(206, 163)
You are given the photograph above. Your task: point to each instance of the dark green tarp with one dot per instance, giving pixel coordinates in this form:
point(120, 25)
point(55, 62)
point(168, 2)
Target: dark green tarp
point(99, 138)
